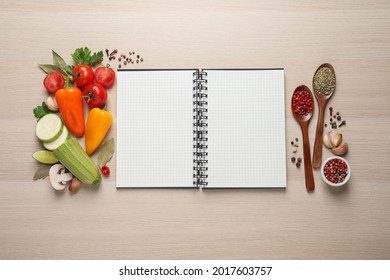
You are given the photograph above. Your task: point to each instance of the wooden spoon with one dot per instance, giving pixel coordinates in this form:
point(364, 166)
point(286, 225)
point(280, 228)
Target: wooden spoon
point(303, 121)
point(322, 101)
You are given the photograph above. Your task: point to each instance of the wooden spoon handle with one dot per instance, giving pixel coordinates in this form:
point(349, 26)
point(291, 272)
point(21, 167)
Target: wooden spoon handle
point(317, 153)
point(309, 178)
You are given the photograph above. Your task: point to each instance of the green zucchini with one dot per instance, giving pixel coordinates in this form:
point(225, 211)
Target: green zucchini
point(76, 160)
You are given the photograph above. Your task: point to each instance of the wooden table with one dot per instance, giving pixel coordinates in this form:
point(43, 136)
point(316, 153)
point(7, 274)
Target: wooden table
point(105, 223)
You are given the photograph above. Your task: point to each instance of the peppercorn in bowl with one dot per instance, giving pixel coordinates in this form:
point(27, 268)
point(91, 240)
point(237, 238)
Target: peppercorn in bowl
point(336, 171)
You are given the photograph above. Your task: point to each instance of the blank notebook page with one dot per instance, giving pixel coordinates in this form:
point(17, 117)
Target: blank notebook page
point(246, 128)
point(154, 129)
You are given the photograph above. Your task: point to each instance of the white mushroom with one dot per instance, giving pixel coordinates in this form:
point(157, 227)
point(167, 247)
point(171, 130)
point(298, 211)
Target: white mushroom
point(59, 179)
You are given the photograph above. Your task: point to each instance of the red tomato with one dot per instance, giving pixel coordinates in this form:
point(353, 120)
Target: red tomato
point(105, 76)
point(95, 95)
point(54, 81)
point(83, 75)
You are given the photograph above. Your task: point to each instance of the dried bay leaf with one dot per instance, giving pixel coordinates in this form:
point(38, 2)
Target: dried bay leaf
point(48, 68)
point(60, 62)
point(106, 152)
point(42, 172)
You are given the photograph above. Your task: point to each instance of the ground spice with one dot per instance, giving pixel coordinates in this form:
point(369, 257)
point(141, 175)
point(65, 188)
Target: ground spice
point(324, 81)
point(336, 170)
point(302, 102)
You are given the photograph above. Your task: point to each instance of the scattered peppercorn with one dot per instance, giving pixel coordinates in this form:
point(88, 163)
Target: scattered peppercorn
point(299, 159)
point(296, 139)
point(123, 58)
point(326, 125)
point(292, 142)
point(339, 118)
point(298, 164)
point(293, 159)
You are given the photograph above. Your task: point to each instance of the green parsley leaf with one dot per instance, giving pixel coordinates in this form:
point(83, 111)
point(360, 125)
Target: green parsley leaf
point(41, 110)
point(96, 58)
point(83, 56)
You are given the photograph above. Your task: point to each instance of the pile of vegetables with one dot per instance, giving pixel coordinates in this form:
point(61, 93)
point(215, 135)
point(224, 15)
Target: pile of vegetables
point(61, 120)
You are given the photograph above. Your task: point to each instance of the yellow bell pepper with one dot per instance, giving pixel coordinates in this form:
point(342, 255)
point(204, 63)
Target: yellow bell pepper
point(98, 123)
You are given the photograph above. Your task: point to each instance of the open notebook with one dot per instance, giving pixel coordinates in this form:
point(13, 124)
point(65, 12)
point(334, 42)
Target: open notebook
point(210, 128)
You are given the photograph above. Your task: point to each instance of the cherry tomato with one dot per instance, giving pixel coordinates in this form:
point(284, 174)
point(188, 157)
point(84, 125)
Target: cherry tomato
point(95, 95)
point(54, 81)
point(83, 75)
point(104, 76)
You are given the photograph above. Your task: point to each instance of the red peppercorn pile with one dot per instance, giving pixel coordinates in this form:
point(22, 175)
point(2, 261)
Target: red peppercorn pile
point(336, 170)
point(302, 102)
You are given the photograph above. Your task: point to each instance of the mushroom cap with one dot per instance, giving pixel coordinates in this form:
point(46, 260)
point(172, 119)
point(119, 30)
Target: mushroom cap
point(59, 179)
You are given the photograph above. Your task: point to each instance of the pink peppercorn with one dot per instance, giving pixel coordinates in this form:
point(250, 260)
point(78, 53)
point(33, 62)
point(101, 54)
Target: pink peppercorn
point(302, 102)
point(335, 171)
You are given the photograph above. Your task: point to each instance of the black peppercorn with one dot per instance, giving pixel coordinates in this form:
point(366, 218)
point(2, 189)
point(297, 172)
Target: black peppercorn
point(299, 160)
point(293, 159)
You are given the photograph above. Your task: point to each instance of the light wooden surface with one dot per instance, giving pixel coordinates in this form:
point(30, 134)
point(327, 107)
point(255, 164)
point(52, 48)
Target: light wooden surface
point(105, 223)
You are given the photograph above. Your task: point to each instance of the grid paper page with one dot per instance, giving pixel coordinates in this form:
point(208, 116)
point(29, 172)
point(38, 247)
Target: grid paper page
point(154, 129)
point(246, 140)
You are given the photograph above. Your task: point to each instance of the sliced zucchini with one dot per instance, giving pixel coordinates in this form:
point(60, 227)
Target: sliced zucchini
point(49, 127)
point(57, 142)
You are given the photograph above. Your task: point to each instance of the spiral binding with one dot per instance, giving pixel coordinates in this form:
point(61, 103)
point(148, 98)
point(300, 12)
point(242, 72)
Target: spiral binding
point(200, 128)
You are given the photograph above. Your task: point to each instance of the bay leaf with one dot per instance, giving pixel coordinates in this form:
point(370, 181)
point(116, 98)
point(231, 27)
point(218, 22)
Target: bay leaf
point(60, 62)
point(106, 152)
point(42, 172)
point(48, 68)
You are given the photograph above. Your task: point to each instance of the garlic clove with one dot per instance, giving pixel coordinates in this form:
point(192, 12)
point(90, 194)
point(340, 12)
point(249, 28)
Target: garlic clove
point(337, 139)
point(74, 185)
point(340, 150)
point(52, 103)
point(327, 140)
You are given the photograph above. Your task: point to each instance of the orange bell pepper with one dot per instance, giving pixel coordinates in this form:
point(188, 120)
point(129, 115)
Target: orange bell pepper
point(98, 123)
point(70, 104)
